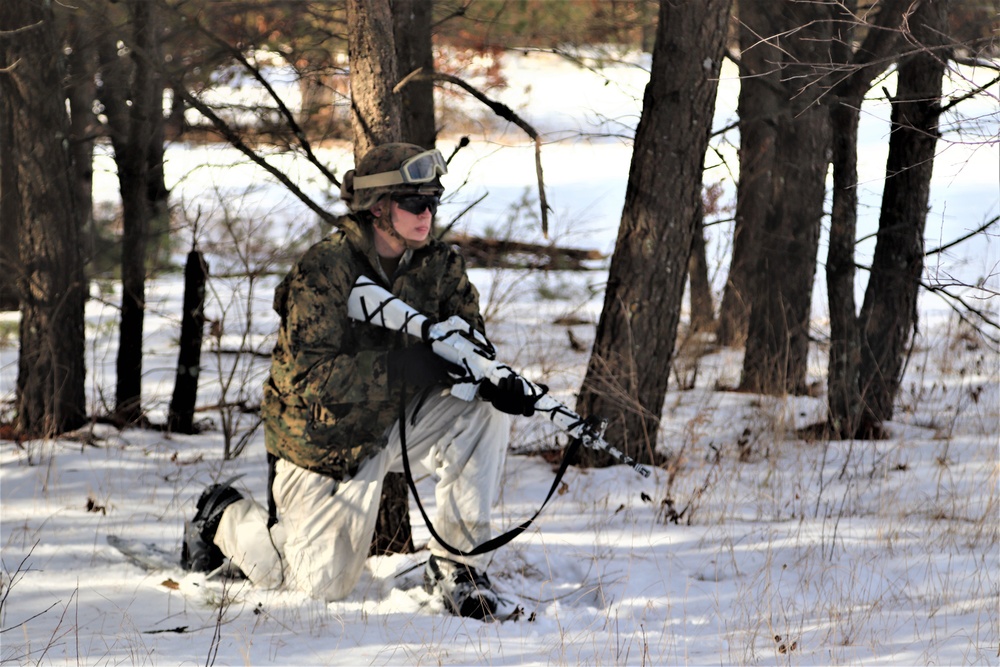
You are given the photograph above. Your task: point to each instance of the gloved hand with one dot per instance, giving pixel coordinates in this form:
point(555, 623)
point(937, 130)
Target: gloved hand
point(509, 396)
point(419, 367)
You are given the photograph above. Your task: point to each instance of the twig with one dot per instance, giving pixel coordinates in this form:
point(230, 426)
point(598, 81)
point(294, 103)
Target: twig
point(237, 142)
point(31, 618)
point(458, 217)
point(282, 107)
point(960, 239)
point(500, 109)
point(968, 308)
point(972, 93)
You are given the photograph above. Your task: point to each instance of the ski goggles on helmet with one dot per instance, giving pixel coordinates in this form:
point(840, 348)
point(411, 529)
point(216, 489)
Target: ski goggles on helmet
point(416, 204)
point(421, 168)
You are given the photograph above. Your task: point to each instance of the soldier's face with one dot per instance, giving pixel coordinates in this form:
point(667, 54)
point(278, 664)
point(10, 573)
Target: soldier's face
point(412, 227)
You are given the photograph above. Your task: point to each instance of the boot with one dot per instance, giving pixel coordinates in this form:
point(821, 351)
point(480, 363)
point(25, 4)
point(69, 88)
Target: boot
point(199, 553)
point(465, 590)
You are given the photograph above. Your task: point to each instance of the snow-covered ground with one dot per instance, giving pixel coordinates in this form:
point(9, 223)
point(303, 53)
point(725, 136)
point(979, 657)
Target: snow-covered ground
point(785, 550)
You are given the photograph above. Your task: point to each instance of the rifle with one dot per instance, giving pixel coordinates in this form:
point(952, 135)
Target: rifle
point(456, 341)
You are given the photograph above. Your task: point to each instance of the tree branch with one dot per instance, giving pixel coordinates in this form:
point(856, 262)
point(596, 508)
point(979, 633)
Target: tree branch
point(968, 95)
point(951, 299)
point(960, 239)
point(950, 244)
point(237, 142)
point(499, 109)
point(286, 113)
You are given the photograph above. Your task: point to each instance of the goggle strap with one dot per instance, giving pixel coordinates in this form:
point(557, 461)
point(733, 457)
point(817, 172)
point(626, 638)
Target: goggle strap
point(378, 180)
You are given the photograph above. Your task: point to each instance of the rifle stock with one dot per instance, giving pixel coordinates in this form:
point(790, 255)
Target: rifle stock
point(456, 341)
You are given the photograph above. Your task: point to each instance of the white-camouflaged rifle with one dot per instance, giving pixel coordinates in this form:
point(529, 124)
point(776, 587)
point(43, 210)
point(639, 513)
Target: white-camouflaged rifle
point(456, 341)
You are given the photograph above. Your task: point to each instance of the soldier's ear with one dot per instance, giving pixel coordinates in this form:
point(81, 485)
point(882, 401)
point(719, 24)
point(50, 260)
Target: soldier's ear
point(376, 210)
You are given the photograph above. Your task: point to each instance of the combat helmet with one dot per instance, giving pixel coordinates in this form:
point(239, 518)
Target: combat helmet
point(395, 168)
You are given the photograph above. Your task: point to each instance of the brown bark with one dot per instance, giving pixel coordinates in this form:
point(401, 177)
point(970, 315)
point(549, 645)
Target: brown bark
point(626, 378)
point(889, 314)
point(375, 110)
point(777, 346)
point(778, 329)
point(413, 51)
point(10, 211)
point(51, 286)
point(375, 118)
point(843, 397)
point(858, 69)
point(760, 103)
point(180, 417)
point(699, 288)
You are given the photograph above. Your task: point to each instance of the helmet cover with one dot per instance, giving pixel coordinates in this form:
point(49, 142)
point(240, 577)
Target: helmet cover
point(386, 159)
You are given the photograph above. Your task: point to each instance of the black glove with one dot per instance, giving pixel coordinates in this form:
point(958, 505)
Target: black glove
point(419, 367)
point(509, 396)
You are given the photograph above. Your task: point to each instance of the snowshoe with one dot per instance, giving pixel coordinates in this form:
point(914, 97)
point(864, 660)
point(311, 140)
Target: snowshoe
point(465, 590)
point(199, 552)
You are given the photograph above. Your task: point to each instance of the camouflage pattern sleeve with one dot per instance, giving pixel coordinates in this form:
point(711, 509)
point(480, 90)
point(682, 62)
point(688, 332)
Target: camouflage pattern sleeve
point(327, 363)
point(460, 296)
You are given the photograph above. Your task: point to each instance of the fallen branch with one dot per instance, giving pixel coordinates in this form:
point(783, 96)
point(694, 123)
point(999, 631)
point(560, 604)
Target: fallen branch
point(497, 253)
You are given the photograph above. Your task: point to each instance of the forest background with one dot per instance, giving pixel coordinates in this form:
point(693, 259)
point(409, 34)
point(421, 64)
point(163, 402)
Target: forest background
point(804, 70)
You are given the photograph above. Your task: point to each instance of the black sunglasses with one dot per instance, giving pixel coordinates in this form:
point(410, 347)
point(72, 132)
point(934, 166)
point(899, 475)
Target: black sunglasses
point(416, 204)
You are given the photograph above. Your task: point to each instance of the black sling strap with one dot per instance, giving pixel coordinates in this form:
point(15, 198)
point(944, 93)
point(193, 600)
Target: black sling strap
point(272, 510)
point(499, 540)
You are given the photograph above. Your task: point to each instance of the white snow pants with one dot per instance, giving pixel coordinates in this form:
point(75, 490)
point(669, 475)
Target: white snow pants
point(322, 539)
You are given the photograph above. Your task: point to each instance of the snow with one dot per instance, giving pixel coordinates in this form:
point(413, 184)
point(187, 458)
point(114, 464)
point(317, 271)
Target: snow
point(785, 551)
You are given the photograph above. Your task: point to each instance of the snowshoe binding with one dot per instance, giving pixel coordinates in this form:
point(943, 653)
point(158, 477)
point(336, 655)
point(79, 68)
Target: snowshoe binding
point(199, 552)
point(465, 590)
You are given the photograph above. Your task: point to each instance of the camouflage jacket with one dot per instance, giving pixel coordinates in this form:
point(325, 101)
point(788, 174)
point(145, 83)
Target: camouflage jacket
point(327, 403)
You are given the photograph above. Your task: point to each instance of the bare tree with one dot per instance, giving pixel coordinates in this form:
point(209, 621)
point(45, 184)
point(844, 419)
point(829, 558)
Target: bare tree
point(10, 211)
point(81, 91)
point(626, 378)
point(759, 105)
point(856, 68)
point(375, 117)
point(699, 286)
point(128, 94)
point(375, 110)
point(180, 416)
point(50, 281)
point(413, 51)
point(778, 327)
point(889, 313)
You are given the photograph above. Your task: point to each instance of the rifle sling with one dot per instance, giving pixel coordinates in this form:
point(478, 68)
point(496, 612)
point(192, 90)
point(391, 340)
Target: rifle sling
point(499, 540)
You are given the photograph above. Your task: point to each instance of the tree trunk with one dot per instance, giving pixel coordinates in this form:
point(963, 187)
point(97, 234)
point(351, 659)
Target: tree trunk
point(180, 417)
point(375, 117)
point(858, 70)
point(157, 194)
point(699, 288)
point(50, 382)
point(413, 51)
point(843, 398)
point(889, 313)
point(626, 378)
point(81, 89)
point(10, 209)
point(128, 95)
point(760, 103)
point(777, 345)
point(375, 110)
